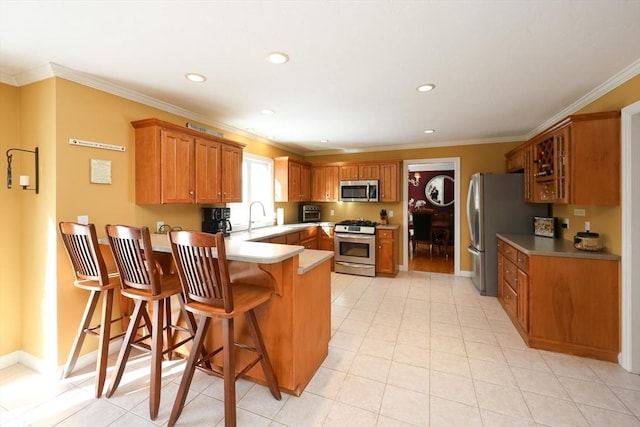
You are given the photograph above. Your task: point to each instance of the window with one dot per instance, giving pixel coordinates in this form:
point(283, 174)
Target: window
point(257, 185)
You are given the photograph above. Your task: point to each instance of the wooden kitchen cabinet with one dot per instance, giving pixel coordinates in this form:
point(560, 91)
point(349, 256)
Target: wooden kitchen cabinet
point(358, 171)
point(390, 182)
point(568, 304)
point(175, 164)
point(324, 183)
point(513, 283)
point(577, 161)
point(515, 160)
point(293, 180)
point(387, 251)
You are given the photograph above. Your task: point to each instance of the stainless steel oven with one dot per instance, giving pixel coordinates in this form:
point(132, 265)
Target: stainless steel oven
point(309, 213)
point(355, 248)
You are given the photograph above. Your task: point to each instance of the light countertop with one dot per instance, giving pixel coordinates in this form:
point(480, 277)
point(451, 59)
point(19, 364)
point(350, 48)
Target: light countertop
point(545, 246)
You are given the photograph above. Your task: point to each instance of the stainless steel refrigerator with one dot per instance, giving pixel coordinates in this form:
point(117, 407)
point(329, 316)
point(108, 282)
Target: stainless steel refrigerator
point(495, 204)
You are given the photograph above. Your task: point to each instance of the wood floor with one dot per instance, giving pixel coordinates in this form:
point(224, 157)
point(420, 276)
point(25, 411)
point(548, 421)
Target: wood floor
point(423, 260)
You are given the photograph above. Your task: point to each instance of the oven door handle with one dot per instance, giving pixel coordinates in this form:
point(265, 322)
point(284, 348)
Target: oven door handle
point(355, 236)
point(352, 264)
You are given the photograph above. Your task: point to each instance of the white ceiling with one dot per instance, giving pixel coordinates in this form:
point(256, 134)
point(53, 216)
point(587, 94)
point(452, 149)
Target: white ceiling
point(503, 69)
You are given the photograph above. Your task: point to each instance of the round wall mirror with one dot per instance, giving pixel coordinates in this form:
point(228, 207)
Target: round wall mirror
point(439, 190)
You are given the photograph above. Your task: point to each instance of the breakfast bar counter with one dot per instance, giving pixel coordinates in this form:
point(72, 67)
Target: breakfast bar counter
point(295, 322)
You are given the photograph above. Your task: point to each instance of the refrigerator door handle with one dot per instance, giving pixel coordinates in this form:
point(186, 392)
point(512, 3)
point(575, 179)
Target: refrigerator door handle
point(469, 208)
point(473, 250)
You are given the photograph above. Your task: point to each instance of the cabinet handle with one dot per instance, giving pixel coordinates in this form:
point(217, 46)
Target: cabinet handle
point(191, 193)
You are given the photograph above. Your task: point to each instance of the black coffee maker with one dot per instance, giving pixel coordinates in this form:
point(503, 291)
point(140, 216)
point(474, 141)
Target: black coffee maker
point(216, 219)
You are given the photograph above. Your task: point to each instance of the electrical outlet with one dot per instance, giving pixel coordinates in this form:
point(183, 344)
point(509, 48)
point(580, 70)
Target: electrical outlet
point(390, 214)
point(587, 225)
point(333, 212)
point(83, 219)
point(158, 225)
point(565, 223)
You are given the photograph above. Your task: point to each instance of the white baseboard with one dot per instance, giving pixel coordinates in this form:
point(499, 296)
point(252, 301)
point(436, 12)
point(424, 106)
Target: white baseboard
point(47, 368)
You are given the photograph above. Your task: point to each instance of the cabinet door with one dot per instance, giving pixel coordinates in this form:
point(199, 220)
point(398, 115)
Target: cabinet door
point(528, 174)
point(208, 171)
point(231, 174)
point(384, 256)
point(305, 183)
point(389, 182)
point(332, 183)
point(177, 167)
point(349, 172)
point(294, 181)
point(523, 300)
point(317, 184)
point(369, 171)
point(500, 274)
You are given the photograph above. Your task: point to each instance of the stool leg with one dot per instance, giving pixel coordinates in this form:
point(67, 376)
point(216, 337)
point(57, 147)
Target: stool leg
point(187, 376)
point(229, 373)
point(123, 356)
point(156, 358)
point(272, 381)
point(89, 309)
point(105, 338)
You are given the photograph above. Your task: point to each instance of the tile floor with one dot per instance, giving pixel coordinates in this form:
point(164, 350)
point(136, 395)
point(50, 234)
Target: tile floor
point(416, 350)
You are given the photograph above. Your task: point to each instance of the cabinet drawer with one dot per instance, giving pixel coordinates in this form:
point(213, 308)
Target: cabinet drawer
point(510, 274)
point(293, 238)
point(510, 299)
point(522, 261)
point(279, 239)
point(308, 233)
point(509, 251)
point(385, 234)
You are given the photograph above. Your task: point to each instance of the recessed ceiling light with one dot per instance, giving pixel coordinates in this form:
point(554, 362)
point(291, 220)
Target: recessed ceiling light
point(429, 131)
point(426, 87)
point(277, 57)
point(250, 129)
point(324, 141)
point(271, 137)
point(267, 112)
point(194, 77)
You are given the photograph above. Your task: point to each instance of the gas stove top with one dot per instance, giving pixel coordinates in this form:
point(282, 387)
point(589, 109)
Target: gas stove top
point(356, 226)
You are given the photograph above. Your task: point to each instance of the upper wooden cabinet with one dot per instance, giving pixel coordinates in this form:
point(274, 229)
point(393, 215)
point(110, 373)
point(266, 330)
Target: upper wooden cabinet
point(515, 159)
point(175, 164)
point(355, 171)
point(576, 161)
point(293, 180)
point(389, 182)
point(324, 183)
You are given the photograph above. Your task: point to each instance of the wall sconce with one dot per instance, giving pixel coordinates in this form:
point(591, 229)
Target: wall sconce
point(24, 179)
point(415, 180)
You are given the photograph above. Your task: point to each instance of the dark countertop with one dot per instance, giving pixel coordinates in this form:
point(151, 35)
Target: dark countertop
point(545, 246)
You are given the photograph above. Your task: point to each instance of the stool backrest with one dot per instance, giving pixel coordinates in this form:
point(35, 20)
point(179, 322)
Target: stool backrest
point(81, 244)
point(133, 255)
point(422, 226)
point(201, 261)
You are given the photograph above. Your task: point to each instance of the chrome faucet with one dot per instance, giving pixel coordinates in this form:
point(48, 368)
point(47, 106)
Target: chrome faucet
point(264, 213)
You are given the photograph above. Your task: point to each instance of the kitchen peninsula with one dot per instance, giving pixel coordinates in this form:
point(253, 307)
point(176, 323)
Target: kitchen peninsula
point(295, 322)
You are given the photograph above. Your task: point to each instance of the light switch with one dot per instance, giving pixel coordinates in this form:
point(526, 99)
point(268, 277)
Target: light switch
point(83, 219)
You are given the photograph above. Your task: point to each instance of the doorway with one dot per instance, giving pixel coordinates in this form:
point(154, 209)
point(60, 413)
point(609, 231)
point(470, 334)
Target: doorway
point(630, 300)
point(430, 255)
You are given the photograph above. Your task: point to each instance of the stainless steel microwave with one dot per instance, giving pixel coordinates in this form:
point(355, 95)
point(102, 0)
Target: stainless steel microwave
point(359, 191)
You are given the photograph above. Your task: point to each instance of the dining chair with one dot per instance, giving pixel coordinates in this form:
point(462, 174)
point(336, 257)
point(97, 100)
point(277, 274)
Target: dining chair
point(201, 262)
point(90, 274)
point(143, 281)
point(422, 230)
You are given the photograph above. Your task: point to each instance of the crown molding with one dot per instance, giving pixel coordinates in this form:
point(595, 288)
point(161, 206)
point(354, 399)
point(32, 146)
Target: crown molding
point(56, 70)
point(626, 74)
point(370, 149)
point(8, 79)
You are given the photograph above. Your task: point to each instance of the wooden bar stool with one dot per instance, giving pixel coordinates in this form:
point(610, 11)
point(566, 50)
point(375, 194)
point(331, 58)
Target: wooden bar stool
point(201, 262)
point(90, 271)
point(142, 281)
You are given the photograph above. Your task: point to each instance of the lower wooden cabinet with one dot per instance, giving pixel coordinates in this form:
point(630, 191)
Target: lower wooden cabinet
point(387, 251)
point(562, 303)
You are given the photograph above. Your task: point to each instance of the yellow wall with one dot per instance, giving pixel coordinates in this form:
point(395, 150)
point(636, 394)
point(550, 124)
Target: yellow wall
point(10, 207)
